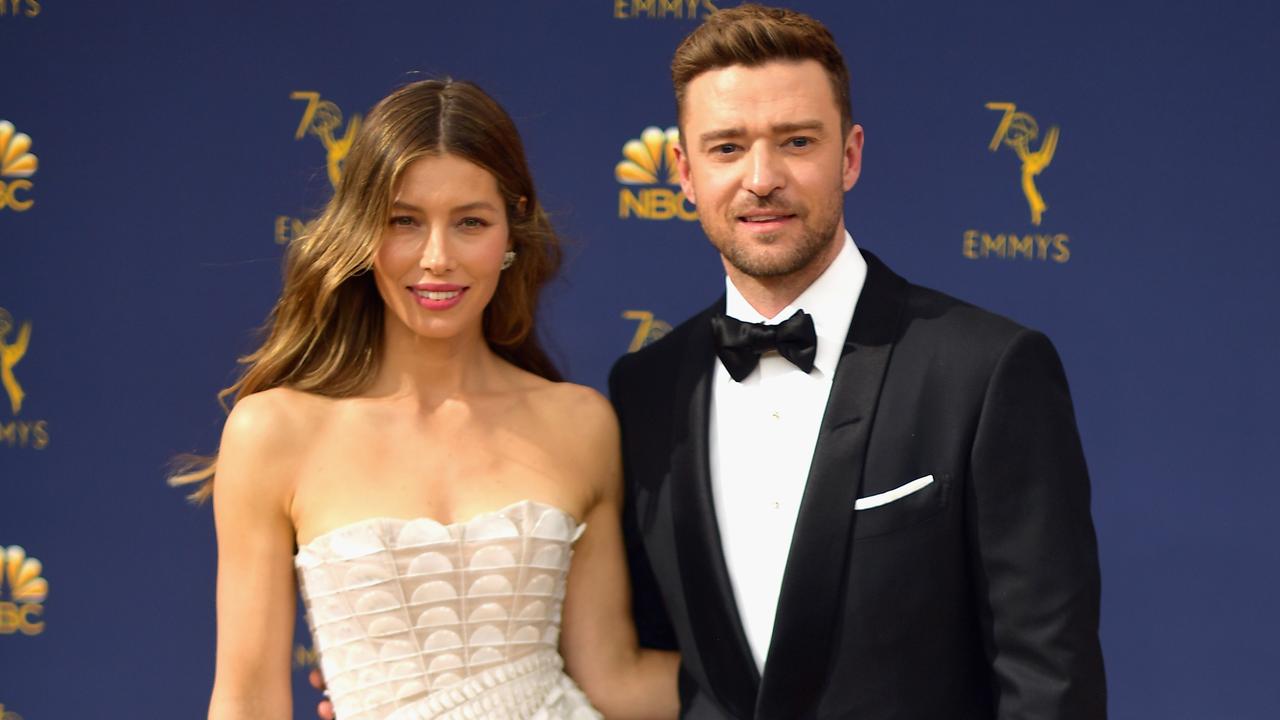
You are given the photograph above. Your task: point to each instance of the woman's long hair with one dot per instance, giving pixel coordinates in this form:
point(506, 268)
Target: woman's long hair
point(325, 333)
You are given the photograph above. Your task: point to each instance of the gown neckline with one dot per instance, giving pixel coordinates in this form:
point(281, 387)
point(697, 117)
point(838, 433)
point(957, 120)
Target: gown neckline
point(421, 518)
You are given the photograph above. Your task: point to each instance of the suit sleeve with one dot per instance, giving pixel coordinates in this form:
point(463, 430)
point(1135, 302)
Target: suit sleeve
point(653, 625)
point(1032, 541)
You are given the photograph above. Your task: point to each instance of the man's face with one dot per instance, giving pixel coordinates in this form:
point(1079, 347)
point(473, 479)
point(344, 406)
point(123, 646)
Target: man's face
point(765, 162)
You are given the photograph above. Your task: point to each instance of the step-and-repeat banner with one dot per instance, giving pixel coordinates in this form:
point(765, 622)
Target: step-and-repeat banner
point(1104, 172)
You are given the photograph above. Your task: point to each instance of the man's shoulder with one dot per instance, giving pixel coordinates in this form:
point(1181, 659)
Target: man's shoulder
point(953, 318)
point(929, 311)
point(965, 342)
point(932, 318)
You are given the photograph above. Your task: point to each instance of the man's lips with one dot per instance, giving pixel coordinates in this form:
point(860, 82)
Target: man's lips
point(764, 213)
point(761, 220)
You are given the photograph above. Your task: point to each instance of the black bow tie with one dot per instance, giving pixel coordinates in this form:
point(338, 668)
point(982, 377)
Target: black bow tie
point(740, 344)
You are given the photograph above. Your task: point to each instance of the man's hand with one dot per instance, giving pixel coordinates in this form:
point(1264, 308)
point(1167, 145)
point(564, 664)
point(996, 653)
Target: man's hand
point(325, 708)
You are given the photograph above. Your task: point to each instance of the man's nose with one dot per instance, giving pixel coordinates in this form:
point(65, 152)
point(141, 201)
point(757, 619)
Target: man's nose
point(765, 172)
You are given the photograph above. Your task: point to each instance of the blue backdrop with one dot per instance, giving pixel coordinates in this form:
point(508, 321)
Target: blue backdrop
point(154, 154)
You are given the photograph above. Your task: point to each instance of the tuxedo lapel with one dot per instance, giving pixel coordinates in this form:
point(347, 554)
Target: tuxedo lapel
point(813, 583)
point(722, 646)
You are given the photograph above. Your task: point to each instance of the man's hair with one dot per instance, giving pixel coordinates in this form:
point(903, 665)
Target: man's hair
point(753, 35)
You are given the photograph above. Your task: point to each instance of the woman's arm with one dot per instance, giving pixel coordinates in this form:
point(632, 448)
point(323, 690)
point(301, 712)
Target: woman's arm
point(256, 591)
point(598, 638)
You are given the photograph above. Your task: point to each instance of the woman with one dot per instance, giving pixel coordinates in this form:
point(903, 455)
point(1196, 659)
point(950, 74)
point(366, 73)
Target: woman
point(403, 430)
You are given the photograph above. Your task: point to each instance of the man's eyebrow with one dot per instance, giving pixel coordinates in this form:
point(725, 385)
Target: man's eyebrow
point(778, 129)
point(725, 134)
point(791, 127)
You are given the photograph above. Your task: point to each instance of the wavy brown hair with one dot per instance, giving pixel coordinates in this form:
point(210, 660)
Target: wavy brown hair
point(325, 333)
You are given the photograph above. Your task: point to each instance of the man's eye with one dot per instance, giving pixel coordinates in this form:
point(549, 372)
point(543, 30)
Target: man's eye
point(800, 142)
point(724, 149)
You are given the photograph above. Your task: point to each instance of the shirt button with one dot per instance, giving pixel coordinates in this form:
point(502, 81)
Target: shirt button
point(775, 505)
point(776, 415)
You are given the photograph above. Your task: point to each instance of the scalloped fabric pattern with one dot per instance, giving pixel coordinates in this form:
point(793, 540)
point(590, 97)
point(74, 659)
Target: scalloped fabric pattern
point(419, 619)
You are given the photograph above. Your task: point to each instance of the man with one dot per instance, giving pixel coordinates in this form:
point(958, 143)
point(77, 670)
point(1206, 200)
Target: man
point(854, 497)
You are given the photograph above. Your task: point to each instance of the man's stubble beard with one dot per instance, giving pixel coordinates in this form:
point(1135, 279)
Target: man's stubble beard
point(811, 245)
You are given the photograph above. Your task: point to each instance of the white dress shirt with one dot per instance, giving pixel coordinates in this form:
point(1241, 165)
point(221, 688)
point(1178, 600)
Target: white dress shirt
point(762, 434)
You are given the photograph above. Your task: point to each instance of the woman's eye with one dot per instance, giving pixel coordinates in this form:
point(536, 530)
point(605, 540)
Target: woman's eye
point(472, 223)
point(401, 221)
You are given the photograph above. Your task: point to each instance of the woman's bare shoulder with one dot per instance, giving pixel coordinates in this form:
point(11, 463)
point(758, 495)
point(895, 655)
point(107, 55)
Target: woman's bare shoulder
point(560, 400)
point(586, 432)
point(264, 439)
point(583, 407)
point(275, 416)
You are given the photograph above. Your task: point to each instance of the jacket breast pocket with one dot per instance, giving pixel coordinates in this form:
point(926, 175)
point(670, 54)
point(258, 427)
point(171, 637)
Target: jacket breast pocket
point(898, 507)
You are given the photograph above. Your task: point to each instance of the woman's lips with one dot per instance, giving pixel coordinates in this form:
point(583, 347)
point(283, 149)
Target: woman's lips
point(437, 296)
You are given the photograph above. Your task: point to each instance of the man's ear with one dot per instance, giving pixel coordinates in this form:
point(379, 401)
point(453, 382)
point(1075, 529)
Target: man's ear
point(686, 175)
point(852, 161)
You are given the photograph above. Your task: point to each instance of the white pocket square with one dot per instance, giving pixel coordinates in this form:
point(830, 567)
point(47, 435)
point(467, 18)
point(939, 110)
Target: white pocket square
point(884, 498)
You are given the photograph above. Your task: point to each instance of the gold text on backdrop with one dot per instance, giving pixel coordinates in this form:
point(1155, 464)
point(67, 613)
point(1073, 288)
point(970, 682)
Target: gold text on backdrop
point(1012, 246)
point(305, 657)
point(662, 9)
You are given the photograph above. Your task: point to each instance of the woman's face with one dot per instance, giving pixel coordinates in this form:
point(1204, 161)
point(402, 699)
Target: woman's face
point(441, 251)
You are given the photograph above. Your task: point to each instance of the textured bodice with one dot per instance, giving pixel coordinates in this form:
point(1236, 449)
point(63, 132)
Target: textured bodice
point(418, 619)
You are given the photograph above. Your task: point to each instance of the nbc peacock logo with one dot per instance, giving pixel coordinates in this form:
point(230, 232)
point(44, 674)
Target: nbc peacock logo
point(649, 166)
point(17, 166)
point(6, 714)
point(22, 592)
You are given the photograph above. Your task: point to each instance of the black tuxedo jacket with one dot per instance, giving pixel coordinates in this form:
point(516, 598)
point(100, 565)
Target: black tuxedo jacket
point(975, 597)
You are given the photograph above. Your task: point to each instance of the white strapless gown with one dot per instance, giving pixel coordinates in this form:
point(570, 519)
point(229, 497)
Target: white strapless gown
point(415, 619)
